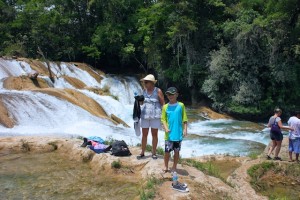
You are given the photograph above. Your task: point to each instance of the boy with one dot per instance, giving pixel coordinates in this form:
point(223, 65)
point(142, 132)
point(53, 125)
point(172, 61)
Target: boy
point(294, 136)
point(174, 120)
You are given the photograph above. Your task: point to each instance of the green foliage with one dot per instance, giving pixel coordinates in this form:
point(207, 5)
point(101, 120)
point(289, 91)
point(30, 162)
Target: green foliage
point(91, 51)
point(148, 191)
point(15, 49)
point(242, 55)
point(116, 164)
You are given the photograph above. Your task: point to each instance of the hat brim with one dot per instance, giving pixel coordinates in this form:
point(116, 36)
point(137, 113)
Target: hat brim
point(153, 81)
point(170, 92)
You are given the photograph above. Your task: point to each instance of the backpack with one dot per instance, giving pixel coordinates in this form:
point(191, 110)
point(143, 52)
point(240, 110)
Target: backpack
point(120, 148)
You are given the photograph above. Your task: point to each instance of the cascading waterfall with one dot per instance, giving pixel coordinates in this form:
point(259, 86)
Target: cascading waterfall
point(41, 113)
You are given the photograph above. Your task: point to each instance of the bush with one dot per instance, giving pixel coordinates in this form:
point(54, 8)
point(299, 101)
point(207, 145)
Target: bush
point(116, 164)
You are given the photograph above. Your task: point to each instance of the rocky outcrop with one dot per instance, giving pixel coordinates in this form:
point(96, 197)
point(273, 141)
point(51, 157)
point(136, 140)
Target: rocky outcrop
point(208, 113)
point(24, 83)
point(75, 82)
point(90, 70)
point(5, 119)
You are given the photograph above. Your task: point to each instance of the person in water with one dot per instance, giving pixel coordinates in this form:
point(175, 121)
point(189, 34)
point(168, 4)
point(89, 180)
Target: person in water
point(294, 136)
point(174, 120)
point(151, 113)
point(275, 133)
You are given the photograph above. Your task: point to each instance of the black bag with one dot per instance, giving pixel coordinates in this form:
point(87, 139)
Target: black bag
point(275, 129)
point(120, 148)
point(137, 108)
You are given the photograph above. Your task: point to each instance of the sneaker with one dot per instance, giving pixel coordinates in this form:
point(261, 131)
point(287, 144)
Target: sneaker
point(180, 188)
point(277, 158)
point(269, 158)
point(181, 184)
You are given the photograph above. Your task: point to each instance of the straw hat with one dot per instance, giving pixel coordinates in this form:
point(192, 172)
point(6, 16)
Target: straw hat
point(149, 77)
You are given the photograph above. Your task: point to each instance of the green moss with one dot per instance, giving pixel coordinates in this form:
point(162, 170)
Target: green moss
point(276, 180)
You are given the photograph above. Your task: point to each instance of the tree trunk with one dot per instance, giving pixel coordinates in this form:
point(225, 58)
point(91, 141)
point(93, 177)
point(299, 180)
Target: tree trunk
point(193, 93)
point(47, 63)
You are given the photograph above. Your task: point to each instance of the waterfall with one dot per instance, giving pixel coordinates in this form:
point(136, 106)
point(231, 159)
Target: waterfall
point(13, 68)
point(39, 113)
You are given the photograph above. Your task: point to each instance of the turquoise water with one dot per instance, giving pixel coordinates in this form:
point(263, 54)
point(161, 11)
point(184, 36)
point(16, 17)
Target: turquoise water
point(223, 136)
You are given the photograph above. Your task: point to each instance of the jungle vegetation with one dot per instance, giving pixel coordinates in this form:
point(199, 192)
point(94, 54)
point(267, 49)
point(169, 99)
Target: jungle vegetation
point(240, 56)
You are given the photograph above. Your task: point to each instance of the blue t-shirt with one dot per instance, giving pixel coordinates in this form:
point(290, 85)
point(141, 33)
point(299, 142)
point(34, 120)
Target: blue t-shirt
point(174, 115)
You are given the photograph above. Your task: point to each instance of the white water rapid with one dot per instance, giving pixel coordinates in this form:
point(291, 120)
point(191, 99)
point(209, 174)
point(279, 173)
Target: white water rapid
point(38, 113)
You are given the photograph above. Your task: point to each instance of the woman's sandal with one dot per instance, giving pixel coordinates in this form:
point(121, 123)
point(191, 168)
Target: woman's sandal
point(277, 158)
point(154, 156)
point(140, 156)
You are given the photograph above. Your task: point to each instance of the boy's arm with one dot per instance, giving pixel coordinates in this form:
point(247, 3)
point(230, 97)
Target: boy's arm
point(167, 130)
point(185, 120)
point(184, 129)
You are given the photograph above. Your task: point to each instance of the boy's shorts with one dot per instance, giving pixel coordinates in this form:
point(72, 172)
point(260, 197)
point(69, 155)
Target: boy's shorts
point(172, 145)
point(151, 123)
point(294, 145)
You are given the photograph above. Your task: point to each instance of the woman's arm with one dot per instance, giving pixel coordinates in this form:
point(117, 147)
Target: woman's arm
point(164, 119)
point(284, 127)
point(161, 97)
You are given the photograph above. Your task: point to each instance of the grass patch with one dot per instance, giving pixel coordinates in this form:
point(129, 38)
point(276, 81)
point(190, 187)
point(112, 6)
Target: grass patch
point(159, 150)
point(254, 155)
point(54, 145)
point(148, 189)
point(218, 168)
point(25, 146)
point(256, 171)
point(208, 167)
point(116, 164)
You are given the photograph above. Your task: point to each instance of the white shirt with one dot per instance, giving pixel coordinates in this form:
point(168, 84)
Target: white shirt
point(295, 123)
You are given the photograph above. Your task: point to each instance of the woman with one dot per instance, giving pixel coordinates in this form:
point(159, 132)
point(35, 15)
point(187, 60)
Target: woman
point(275, 133)
point(151, 113)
